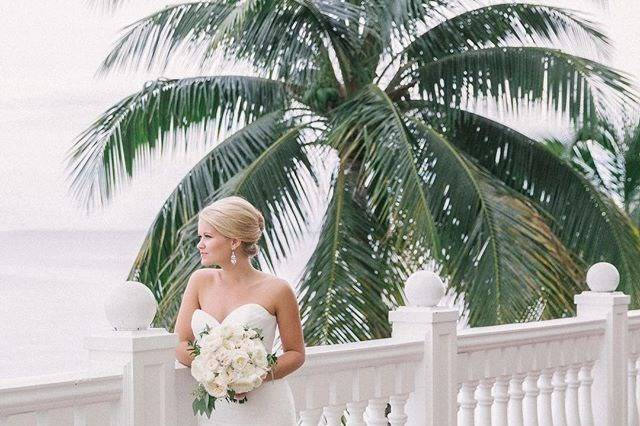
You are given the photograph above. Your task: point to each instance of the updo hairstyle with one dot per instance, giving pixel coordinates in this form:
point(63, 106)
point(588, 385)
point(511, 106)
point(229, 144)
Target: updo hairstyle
point(235, 217)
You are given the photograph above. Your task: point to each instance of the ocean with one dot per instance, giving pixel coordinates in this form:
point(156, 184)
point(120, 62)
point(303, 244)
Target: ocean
point(53, 285)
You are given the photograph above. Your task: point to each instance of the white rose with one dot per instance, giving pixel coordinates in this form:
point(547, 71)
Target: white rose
point(215, 390)
point(224, 356)
point(212, 364)
point(240, 359)
point(223, 379)
point(211, 342)
point(225, 331)
point(252, 370)
point(198, 369)
point(244, 385)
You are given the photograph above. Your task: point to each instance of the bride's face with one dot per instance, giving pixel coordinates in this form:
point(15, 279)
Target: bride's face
point(214, 247)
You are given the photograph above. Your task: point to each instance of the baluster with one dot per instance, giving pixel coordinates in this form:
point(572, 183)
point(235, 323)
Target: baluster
point(42, 418)
point(311, 417)
point(632, 402)
point(516, 395)
point(530, 403)
point(485, 401)
point(584, 394)
point(558, 397)
point(397, 416)
point(333, 414)
point(572, 406)
point(356, 413)
point(500, 398)
point(544, 398)
point(468, 403)
point(80, 415)
point(375, 412)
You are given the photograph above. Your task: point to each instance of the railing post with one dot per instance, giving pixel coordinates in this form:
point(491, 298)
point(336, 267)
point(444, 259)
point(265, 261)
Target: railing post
point(146, 356)
point(609, 389)
point(434, 401)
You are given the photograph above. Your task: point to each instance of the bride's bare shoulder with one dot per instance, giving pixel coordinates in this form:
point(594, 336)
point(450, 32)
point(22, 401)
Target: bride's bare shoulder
point(203, 275)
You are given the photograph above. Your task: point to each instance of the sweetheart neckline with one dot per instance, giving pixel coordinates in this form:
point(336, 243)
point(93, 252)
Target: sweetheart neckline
point(235, 309)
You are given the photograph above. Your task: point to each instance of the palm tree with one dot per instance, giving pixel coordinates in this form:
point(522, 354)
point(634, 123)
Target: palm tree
point(609, 156)
point(388, 89)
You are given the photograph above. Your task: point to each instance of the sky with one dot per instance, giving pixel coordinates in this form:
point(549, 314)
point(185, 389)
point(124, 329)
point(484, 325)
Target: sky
point(49, 53)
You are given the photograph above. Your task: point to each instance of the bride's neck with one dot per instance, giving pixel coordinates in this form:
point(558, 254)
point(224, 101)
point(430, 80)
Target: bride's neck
point(241, 272)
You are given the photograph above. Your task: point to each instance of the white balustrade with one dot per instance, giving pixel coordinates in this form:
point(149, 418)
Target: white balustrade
point(397, 416)
point(501, 401)
point(559, 397)
point(632, 406)
point(356, 413)
point(579, 371)
point(571, 400)
point(516, 398)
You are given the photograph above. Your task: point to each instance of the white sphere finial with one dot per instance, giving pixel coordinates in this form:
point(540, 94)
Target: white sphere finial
point(603, 277)
point(130, 306)
point(424, 289)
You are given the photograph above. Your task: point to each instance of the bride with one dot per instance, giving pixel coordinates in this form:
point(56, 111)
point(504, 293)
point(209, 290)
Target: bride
point(237, 292)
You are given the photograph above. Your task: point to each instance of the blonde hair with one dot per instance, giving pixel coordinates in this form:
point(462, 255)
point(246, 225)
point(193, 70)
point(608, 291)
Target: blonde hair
point(235, 217)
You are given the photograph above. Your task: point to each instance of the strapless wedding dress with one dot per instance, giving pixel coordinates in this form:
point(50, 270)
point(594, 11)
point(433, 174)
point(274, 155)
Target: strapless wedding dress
point(271, 404)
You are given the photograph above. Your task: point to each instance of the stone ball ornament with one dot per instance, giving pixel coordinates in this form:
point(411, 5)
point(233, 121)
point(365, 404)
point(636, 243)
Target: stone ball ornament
point(130, 306)
point(424, 289)
point(603, 277)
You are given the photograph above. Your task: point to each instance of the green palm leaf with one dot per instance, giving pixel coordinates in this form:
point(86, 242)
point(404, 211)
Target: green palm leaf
point(584, 89)
point(104, 155)
point(373, 129)
point(508, 23)
point(586, 220)
point(501, 256)
point(350, 281)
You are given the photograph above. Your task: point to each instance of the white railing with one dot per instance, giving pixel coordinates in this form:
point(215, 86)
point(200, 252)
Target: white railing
point(579, 371)
point(69, 399)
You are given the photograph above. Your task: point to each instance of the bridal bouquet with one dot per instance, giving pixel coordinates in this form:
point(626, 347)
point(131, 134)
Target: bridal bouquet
point(229, 359)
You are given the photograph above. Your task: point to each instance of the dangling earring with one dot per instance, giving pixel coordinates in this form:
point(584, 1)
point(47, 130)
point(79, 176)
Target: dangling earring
point(233, 256)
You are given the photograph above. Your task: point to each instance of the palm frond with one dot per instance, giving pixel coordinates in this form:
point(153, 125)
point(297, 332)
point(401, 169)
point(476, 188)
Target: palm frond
point(583, 89)
point(350, 279)
point(152, 40)
point(586, 220)
point(507, 24)
point(500, 255)
point(371, 128)
point(287, 38)
point(105, 154)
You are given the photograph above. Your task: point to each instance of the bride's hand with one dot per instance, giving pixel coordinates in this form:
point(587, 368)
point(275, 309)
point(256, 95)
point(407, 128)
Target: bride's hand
point(240, 396)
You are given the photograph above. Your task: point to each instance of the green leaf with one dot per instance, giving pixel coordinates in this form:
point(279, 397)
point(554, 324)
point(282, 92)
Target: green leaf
point(501, 257)
point(104, 155)
point(516, 77)
point(587, 221)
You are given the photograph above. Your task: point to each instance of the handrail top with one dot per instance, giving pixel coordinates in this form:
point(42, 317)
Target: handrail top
point(530, 332)
point(58, 379)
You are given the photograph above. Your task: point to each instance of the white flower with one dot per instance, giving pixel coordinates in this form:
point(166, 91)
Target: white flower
point(210, 342)
point(245, 384)
point(215, 390)
point(198, 369)
point(240, 359)
point(223, 379)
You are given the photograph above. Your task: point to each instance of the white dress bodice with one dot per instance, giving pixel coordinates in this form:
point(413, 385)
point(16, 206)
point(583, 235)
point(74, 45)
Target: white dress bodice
point(273, 397)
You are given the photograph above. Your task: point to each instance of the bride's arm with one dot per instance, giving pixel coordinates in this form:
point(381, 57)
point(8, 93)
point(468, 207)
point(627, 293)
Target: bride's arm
point(290, 328)
point(183, 321)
